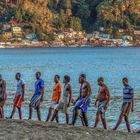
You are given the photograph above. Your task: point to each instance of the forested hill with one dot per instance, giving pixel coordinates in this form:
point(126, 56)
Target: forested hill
point(47, 16)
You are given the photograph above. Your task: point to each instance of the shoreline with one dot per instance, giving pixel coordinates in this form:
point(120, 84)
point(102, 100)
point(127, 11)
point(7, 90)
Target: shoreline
point(27, 129)
point(71, 46)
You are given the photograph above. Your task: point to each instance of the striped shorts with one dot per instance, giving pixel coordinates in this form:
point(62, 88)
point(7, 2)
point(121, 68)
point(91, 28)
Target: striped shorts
point(35, 101)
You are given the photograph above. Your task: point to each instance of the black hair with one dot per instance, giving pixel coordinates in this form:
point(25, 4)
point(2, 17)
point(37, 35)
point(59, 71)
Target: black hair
point(19, 74)
point(83, 75)
point(38, 72)
point(125, 79)
point(67, 78)
point(57, 76)
point(101, 79)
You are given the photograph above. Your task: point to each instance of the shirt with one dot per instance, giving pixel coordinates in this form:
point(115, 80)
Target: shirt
point(39, 85)
point(19, 90)
point(57, 92)
point(128, 92)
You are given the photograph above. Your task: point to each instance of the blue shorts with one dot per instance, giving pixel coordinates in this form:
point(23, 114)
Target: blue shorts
point(101, 107)
point(35, 100)
point(83, 107)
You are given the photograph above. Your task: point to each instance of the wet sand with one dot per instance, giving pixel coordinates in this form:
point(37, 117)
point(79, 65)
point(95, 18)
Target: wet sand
point(34, 130)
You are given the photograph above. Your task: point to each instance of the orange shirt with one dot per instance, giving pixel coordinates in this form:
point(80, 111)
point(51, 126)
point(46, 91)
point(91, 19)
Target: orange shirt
point(57, 92)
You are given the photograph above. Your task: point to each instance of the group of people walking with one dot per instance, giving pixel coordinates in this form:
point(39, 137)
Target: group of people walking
point(62, 99)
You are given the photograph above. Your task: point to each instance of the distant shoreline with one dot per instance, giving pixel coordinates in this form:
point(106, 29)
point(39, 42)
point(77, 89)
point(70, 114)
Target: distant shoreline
point(55, 46)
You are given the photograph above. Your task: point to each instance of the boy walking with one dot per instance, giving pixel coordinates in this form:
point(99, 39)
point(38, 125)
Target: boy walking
point(56, 97)
point(19, 97)
point(102, 102)
point(37, 97)
point(66, 100)
point(128, 104)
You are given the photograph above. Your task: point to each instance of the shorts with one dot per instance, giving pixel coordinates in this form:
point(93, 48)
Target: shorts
point(18, 101)
point(83, 107)
point(101, 108)
point(63, 107)
point(53, 105)
point(35, 101)
point(125, 110)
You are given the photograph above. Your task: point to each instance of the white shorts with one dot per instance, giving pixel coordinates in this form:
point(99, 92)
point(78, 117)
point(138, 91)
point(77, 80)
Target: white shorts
point(53, 105)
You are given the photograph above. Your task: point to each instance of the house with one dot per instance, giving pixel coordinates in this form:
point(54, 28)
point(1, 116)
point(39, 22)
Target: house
point(6, 26)
point(60, 35)
point(127, 37)
point(137, 32)
point(106, 36)
point(17, 30)
point(31, 36)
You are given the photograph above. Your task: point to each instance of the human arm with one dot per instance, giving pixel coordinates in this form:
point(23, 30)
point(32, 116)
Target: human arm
point(4, 89)
point(23, 91)
point(108, 97)
point(132, 107)
point(42, 91)
point(70, 94)
point(59, 92)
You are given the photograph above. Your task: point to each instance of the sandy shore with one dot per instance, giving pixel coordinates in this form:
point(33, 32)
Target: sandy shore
point(33, 130)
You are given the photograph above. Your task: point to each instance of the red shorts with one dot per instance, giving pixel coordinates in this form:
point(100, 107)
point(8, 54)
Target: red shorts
point(18, 101)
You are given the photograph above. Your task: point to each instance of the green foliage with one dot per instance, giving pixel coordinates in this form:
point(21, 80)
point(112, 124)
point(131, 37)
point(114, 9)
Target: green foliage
point(48, 16)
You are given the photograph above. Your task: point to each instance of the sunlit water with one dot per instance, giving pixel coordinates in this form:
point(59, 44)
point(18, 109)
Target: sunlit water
point(111, 63)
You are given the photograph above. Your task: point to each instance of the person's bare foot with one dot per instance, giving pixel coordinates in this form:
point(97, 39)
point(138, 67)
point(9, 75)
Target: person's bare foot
point(114, 129)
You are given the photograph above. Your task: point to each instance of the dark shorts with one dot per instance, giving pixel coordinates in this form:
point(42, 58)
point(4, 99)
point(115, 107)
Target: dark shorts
point(35, 101)
point(125, 110)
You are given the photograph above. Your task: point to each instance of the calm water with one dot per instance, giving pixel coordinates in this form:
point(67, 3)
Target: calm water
point(111, 63)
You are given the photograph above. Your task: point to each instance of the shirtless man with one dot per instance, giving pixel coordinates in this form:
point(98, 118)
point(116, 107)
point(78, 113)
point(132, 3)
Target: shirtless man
point(83, 101)
point(2, 95)
point(102, 102)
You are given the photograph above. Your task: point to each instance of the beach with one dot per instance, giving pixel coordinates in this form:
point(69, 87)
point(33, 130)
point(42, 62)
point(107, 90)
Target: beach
point(29, 130)
point(111, 63)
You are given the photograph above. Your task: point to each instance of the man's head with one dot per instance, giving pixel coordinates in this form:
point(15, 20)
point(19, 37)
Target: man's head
point(56, 78)
point(38, 75)
point(0, 77)
point(18, 76)
point(82, 78)
point(66, 79)
point(125, 81)
point(100, 81)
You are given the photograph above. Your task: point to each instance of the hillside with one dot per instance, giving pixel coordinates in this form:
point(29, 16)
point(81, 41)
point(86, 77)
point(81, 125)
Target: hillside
point(49, 16)
point(29, 130)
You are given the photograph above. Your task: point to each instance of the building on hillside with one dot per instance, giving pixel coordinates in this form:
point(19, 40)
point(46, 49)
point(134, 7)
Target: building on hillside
point(137, 32)
point(17, 30)
point(31, 36)
point(127, 37)
point(106, 36)
point(60, 35)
